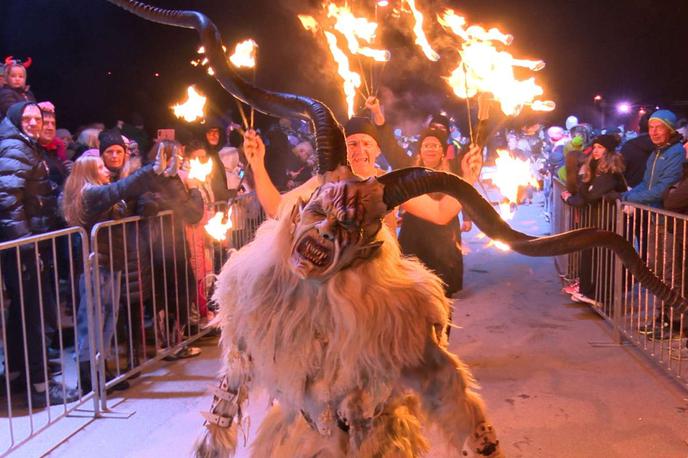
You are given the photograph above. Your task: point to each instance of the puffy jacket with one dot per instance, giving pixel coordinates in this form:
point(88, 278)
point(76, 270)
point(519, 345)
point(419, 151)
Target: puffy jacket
point(9, 96)
point(28, 202)
point(664, 168)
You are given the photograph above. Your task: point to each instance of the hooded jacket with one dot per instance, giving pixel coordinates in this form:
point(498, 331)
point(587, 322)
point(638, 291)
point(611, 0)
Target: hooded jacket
point(28, 202)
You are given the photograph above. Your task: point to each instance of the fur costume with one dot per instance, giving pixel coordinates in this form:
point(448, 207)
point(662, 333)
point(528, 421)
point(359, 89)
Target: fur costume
point(322, 310)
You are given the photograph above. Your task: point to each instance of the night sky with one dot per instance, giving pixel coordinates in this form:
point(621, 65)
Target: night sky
point(632, 50)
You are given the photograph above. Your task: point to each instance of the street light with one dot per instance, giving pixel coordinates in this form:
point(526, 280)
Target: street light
point(623, 108)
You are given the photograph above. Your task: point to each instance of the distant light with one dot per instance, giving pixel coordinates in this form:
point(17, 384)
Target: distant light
point(623, 108)
point(156, 74)
point(382, 3)
point(656, 108)
point(597, 98)
point(642, 111)
point(109, 73)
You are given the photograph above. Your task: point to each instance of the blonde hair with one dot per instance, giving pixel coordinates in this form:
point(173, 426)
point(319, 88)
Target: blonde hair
point(84, 174)
point(609, 163)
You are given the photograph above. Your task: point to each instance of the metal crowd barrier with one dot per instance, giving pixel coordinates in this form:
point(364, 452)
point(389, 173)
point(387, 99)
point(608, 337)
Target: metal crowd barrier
point(145, 285)
point(637, 316)
point(38, 306)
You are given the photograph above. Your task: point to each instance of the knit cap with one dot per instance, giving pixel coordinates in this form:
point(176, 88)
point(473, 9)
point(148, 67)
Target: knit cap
point(108, 138)
point(610, 142)
point(667, 117)
point(361, 125)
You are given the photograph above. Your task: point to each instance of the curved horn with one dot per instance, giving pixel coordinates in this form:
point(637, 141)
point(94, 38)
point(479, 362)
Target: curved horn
point(405, 184)
point(329, 136)
point(9, 60)
point(27, 63)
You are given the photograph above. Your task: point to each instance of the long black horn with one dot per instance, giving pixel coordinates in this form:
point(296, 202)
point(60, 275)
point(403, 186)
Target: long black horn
point(405, 184)
point(329, 135)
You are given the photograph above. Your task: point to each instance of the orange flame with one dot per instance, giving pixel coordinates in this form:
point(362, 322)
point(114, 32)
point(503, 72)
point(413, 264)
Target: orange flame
point(421, 39)
point(352, 80)
point(244, 54)
point(199, 170)
point(354, 29)
point(308, 22)
point(485, 69)
point(192, 108)
point(510, 174)
point(218, 226)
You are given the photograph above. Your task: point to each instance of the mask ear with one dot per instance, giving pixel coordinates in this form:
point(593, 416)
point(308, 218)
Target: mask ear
point(297, 211)
point(368, 250)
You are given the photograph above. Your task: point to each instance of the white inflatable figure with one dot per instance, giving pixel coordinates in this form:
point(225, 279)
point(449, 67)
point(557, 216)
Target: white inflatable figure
point(571, 122)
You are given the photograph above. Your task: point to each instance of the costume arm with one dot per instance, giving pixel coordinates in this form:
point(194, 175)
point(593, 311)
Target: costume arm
point(225, 416)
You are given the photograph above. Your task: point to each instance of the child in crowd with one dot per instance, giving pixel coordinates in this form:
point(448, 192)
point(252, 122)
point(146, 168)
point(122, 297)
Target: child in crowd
point(15, 88)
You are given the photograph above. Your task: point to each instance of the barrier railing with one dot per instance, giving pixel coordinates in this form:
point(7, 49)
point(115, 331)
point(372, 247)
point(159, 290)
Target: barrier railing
point(139, 294)
point(636, 314)
point(39, 382)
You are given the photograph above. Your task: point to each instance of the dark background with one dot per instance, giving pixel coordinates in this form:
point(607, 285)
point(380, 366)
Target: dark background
point(98, 63)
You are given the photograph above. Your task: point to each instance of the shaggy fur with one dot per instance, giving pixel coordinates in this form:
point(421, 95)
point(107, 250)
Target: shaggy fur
point(363, 346)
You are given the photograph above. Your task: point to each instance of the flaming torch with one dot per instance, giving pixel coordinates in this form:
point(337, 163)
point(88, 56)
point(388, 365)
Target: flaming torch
point(511, 174)
point(218, 226)
point(191, 109)
point(484, 69)
point(245, 57)
point(199, 170)
point(421, 39)
point(352, 80)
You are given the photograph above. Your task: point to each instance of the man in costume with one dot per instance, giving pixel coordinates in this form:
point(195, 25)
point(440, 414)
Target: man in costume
point(322, 311)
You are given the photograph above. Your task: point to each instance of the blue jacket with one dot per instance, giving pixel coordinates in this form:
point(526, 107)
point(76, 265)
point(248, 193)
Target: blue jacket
point(664, 168)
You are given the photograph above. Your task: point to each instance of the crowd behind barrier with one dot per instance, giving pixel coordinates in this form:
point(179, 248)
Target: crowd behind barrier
point(138, 311)
point(635, 314)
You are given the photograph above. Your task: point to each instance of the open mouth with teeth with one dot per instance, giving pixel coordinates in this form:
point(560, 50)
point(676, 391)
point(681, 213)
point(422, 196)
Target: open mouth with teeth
point(314, 252)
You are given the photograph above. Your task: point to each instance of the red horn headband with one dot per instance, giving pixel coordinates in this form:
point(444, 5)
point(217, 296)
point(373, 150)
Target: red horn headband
point(28, 62)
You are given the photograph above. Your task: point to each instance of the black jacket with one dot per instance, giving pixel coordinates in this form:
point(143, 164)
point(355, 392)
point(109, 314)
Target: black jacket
point(10, 96)
point(28, 202)
point(635, 153)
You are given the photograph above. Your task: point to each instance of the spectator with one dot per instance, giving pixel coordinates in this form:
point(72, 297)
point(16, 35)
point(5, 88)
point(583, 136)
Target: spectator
point(54, 149)
point(301, 168)
point(89, 199)
point(664, 166)
point(113, 151)
point(214, 141)
point(136, 132)
point(15, 89)
point(233, 167)
point(87, 139)
point(28, 206)
point(636, 151)
point(2, 75)
point(601, 174)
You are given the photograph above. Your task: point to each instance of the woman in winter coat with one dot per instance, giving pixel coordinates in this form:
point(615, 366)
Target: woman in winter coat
point(89, 199)
point(601, 174)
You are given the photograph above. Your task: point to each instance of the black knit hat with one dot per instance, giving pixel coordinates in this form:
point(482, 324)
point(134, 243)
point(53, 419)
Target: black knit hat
point(609, 141)
point(437, 133)
point(361, 125)
point(108, 138)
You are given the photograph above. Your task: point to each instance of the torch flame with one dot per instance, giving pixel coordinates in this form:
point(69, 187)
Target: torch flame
point(354, 29)
point(421, 39)
point(219, 224)
point(308, 22)
point(199, 170)
point(192, 108)
point(484, 69)
point(244, 54)
point(510, 174)
point(352, 80)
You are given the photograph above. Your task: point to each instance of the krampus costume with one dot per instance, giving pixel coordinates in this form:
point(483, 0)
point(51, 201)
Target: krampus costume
point(321, 309)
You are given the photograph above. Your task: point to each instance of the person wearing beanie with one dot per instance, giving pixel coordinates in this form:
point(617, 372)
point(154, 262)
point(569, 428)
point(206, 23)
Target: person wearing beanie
point(636, 151)
point(664, 166)
point(113, 151)
point(601, 175)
